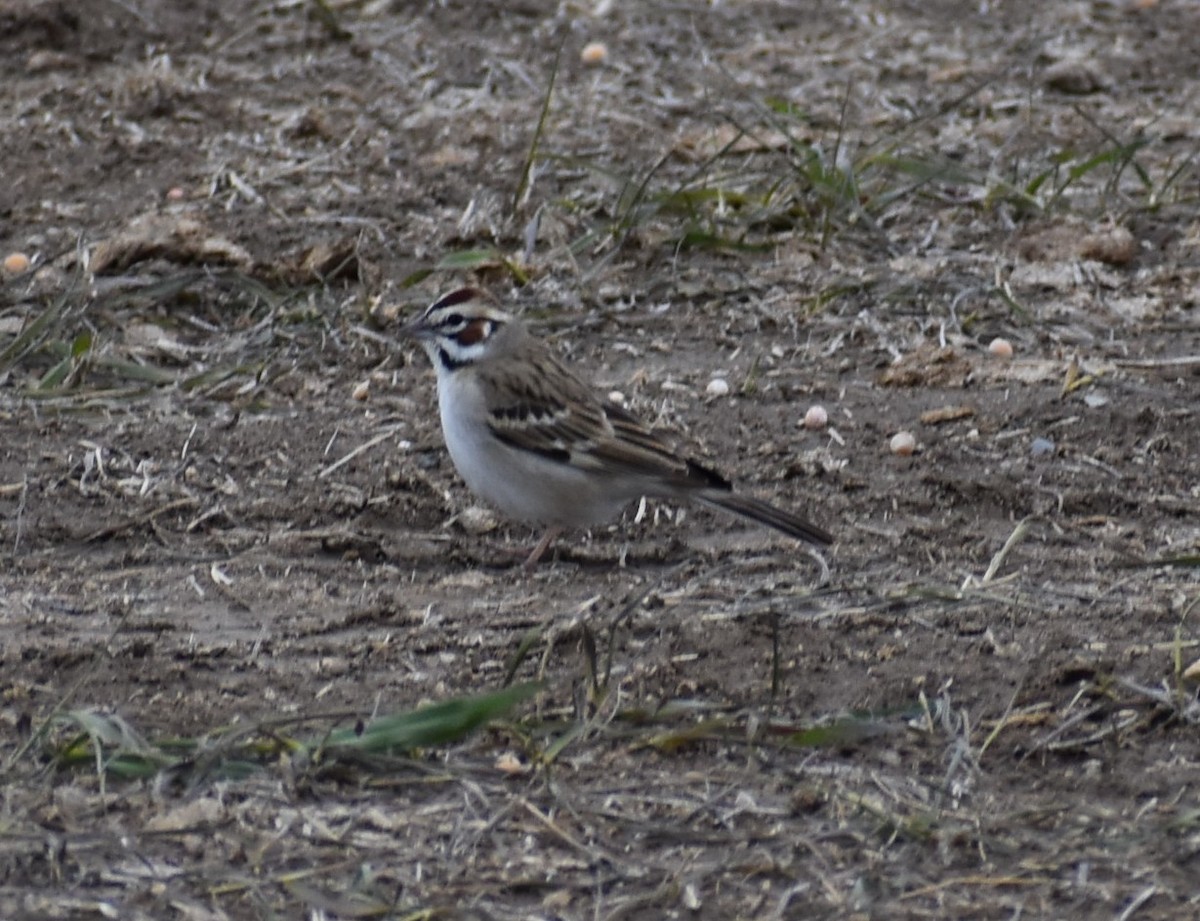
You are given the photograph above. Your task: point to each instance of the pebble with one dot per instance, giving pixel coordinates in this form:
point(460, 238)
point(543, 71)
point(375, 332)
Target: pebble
point(594, 53)
point(16, 263)
point(476, 519)
point(1073, 77)
point(509, 763)
point(717, 387)
point(816, 418)
point(1001, 348)
point(1041, 447)
point(903, 443)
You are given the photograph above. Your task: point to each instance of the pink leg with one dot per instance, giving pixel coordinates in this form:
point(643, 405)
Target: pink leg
point(536, 553)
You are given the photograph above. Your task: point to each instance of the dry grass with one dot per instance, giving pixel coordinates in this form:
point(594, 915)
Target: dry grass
point(228, 586)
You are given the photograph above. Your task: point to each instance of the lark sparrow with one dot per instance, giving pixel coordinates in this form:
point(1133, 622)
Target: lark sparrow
point(531, 439)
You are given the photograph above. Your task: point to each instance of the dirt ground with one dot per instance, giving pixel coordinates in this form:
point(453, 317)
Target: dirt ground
point(225, 505)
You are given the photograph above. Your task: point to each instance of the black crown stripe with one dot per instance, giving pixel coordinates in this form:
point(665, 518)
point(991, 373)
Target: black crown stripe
point(459, 296)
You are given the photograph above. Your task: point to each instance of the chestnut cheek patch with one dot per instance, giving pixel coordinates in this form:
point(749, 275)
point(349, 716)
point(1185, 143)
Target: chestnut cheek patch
point(474, 332)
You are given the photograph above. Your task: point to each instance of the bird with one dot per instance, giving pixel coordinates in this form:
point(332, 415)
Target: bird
point(533, 440)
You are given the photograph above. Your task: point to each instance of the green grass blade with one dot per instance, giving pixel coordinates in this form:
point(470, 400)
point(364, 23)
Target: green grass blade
point(435, 724)
point(470, 260)
point(523, 186)
point(32, 335)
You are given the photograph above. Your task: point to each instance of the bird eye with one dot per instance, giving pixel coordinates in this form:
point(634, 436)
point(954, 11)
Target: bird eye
point(455, 319)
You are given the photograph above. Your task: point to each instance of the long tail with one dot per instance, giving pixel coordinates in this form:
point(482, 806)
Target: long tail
point(764, 513)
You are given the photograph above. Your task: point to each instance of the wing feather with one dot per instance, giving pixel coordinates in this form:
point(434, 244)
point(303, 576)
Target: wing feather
point(570, 424)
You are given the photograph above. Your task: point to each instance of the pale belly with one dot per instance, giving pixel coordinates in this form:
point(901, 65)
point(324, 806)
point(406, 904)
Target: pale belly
point(528, 487)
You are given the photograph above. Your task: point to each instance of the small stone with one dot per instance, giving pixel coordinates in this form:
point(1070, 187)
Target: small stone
point(361, 391)
point(717, 387)
point(16, 263)
point(1001, 348)
point(509, 763)
point(476, 519)
point(1073, 77)
point(1041, 447)
point(816, 418)
point(594, 53)
point(903, 443)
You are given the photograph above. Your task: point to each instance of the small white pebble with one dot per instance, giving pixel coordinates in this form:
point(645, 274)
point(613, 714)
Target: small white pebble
point(616, 397)
point(1001, 348)
point(361, 390)
point(903, 443)
point(475, 519)
point(594, 53)
point(717, 387)
point(509, 763)
point(816, 418)
point(175, 193)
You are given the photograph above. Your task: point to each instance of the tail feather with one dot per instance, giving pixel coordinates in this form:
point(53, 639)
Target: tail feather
point(765, 513)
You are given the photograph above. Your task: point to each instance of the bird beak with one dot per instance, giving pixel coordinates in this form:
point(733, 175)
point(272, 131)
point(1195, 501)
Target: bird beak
point(416, 329)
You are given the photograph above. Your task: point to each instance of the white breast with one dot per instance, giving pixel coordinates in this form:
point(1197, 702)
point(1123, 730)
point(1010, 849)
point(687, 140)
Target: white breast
point(522, 485)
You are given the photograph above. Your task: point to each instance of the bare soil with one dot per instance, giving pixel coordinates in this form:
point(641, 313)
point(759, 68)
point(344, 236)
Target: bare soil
point(224, 500)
